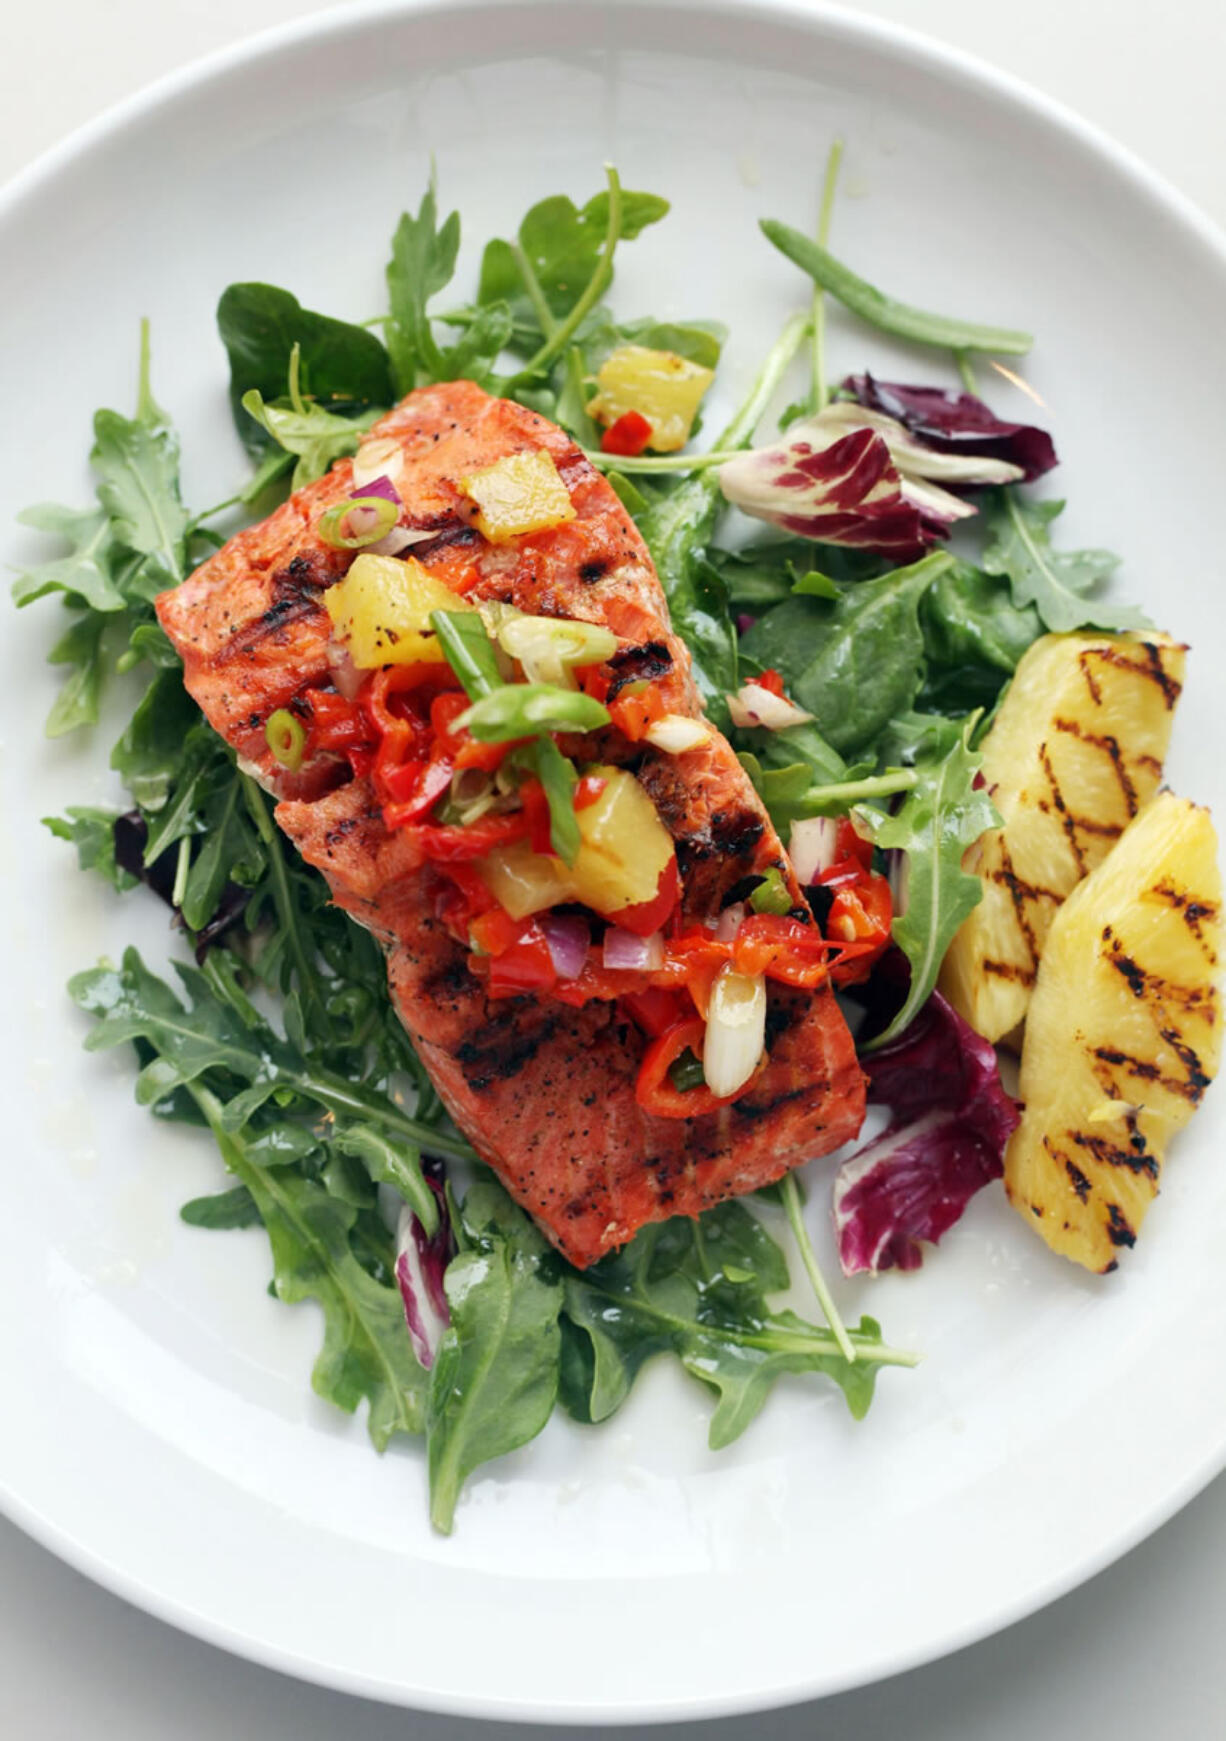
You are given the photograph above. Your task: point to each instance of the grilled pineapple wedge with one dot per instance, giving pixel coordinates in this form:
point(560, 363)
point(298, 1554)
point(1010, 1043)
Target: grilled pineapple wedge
point(1123, 1035)
point(1074, 752)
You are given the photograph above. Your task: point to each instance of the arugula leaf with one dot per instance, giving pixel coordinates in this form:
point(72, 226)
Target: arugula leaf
point(92, 832)
point(344, 368)
point(222, 1210)
point(696, 1289)
point(150, 753)
point(209, 1037)
point(87, 572)
point(939, 818)
point(543, 273)
point(974, 636)
point(137, 462)
point(495, 1378)
point(317, 438)
point(422, 263)
point(1056, 582)
point(83, 646)
point(856, 662)
point(366, 1353)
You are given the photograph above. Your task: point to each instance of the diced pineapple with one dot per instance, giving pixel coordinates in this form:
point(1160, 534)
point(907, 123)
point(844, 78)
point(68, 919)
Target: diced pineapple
point(517, 495)
point(661, 386)
point(1074, 752)
point(523, 881)
point(1123, 1035)
point(381, 611)
point(624, 849)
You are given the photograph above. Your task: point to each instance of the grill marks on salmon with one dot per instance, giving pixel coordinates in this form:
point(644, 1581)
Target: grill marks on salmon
point(544, 1092)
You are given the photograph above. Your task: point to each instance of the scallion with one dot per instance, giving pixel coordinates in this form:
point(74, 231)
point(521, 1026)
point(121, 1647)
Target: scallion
point(286, 738)
point(357, 521)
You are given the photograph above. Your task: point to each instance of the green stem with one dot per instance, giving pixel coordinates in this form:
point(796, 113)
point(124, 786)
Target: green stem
point(348, 1100)
point(746, 420)
point(283, 899)
point(778, 1339)
point(557, 341)
point(659, 463)
point(967, 372)
point(833, 162)
point(875, 786)
point(532, 284)
point(795, 1215)
point(886, 312)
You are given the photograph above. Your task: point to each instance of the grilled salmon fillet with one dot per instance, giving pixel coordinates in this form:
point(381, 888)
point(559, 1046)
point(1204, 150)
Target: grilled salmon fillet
point(545, 1092)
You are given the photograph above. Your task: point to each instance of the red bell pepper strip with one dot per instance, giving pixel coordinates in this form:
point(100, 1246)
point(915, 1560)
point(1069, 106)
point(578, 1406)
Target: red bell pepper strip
point(645, 917)
point(654, 1090)
point(627, 435)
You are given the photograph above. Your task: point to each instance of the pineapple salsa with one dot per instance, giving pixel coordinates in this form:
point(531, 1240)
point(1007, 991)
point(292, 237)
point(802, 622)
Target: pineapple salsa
point(959, 734)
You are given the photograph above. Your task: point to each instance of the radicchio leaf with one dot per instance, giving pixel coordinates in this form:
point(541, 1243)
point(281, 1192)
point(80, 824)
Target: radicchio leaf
point(855, 476)
point(846, 491)
point(956, 422)
point(421, 1263)
point(946, 1140)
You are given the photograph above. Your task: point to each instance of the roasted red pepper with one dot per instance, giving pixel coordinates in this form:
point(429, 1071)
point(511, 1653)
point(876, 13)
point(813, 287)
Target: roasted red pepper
point(628, 435)
point(654, 1090)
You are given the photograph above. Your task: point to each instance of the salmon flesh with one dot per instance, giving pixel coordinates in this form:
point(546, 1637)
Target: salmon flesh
point(543, 1091)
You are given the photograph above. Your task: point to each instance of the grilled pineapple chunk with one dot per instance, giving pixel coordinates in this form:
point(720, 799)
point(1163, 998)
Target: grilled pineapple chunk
point(1075, 751)
point(1123, 1035)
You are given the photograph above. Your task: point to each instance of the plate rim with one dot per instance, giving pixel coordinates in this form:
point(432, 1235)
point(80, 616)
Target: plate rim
point(868, 32)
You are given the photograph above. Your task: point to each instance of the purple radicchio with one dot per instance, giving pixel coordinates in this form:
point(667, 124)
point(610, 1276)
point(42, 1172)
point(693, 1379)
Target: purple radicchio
point(421, 1263)
point(956, 423)
point(854, 475)
point(946, 1140)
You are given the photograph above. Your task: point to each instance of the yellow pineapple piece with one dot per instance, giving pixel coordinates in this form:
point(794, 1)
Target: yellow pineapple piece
point(1073, 754)
point(519, 494)
point(381, 611)
point(661, 386)
point(1123, 1035)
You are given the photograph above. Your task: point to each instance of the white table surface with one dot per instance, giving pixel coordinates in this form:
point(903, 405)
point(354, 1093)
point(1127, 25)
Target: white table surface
point(1136, 1652)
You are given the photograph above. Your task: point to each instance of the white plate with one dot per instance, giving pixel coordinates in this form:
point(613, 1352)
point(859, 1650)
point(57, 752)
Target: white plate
point(159, 1431)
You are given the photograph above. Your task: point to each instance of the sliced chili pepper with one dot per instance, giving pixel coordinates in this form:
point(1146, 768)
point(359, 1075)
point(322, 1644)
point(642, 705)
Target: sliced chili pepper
point(462, 898)
point(628, 435)
point(783, 949)
point(536, 809)
point(770, 679)
point(451, 844)
point(654, 1090)
point(335, 724)
point(421, 792)
point(645, 917)
point(634, 715)
point(860, 919)
point(655, 1010)
point(588, 790)
point(495, 931)
point(527, 966)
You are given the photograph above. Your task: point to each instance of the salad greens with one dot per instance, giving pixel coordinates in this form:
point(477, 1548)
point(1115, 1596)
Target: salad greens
point(280, 1038)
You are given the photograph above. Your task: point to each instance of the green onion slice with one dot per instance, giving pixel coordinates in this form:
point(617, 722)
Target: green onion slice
point(286, 738)
point(358, 521)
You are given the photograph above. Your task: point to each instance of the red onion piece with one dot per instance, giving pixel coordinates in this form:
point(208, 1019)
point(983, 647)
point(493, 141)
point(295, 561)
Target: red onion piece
point(345, 674)
point(813, 847)
point(730, 922)
point(380, 486)
point(568, 938)
point(622, 949)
